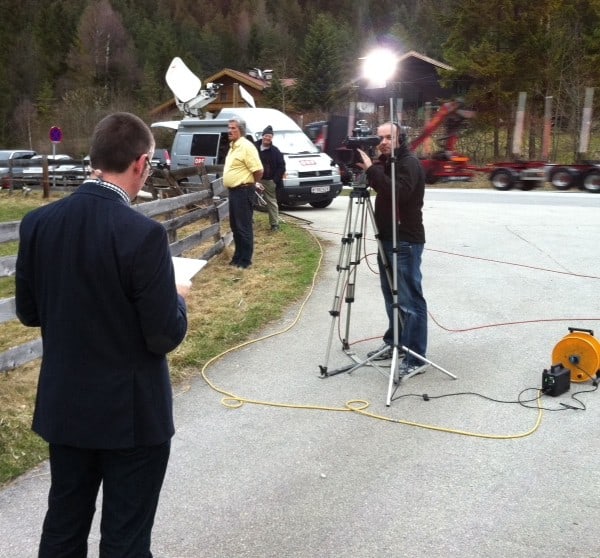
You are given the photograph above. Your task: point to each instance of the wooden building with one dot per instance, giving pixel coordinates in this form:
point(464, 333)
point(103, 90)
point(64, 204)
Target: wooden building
point(416, 81)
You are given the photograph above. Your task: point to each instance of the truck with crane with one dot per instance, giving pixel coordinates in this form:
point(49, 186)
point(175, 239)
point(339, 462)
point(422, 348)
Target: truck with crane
point(445, 164)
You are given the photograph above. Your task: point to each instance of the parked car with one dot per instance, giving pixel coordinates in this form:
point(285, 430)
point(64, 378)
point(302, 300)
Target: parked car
point(33, 173)
point(8, 156)
point(72, 169)
point(161, 159)
point(60, 167)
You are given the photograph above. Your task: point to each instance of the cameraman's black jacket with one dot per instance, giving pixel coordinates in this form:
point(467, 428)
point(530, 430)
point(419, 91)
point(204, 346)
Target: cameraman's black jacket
point(410, 189)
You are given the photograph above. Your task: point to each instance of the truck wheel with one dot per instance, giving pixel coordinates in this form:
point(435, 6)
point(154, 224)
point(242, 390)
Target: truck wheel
point(502, 179)
point(562, 178)
point(591, 182)
point(321, 204)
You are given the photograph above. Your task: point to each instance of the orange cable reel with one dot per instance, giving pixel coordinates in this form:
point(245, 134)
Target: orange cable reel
point(579, 352)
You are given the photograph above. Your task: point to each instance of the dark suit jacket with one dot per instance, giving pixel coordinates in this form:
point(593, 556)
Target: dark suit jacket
point(97, 276)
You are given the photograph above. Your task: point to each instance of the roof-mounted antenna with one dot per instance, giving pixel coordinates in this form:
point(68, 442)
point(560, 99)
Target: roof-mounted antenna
point(186, 87)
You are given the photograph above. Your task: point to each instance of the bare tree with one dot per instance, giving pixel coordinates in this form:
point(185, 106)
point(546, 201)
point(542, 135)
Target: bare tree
point(25, 121)
point(104, 52)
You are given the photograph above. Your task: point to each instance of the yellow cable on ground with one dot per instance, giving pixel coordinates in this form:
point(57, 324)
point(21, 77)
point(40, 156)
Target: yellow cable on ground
point(357, 406)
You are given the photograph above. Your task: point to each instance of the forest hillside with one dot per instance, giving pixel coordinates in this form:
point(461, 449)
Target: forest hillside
point(69, 62)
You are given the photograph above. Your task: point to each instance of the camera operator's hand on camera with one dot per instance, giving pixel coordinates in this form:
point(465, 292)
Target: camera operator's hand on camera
point(366, 160)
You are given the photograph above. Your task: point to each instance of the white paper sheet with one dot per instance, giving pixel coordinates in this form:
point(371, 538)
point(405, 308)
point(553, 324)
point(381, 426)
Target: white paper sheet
point(186, 268)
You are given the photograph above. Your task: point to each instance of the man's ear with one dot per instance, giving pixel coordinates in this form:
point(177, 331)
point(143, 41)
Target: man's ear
point(139, 165)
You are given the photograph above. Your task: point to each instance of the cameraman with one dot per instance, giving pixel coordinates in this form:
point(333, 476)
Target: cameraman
point(410, 235)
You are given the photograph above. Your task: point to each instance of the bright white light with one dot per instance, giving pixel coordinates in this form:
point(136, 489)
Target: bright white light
point(379, 66)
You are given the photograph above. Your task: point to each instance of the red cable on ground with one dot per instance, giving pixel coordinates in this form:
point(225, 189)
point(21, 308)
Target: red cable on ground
point(500, 324)
point(514, 264)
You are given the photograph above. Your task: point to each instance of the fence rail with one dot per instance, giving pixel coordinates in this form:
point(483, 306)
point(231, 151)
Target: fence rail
point(206, 206)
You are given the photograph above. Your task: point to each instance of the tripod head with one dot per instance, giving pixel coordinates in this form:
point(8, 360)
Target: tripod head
point(360, 188)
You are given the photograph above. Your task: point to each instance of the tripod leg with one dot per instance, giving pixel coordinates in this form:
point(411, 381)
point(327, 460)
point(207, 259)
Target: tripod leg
point(345, 267)
point(349, 258)
point(358, 240)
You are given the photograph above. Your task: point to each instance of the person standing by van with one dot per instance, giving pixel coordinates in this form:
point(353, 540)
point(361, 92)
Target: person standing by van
point(274, 169)
point(242, 173)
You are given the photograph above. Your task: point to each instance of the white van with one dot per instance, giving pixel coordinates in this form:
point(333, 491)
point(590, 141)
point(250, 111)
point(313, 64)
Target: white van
point(311, 176)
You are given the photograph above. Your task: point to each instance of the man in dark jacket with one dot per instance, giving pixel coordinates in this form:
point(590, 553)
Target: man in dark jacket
point(97, 277)
point(410, 236)
point(274, 169)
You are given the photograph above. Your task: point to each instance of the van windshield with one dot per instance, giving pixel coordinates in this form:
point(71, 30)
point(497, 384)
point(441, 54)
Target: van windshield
point(293, 142)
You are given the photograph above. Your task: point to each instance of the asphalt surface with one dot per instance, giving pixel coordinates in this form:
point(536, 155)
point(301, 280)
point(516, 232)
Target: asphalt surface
point(468, 473)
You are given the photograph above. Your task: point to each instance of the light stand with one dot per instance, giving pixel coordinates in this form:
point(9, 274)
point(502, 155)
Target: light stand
point(395, 376)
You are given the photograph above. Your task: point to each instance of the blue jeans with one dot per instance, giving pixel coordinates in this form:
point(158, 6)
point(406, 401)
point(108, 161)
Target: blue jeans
point(131, 482)
point(241, 212)
point(412, 326)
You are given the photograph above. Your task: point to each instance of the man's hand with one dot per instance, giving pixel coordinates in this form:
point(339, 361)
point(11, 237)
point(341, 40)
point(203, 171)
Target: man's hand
point(259, 187)
point(183, 289)
point(366, 160)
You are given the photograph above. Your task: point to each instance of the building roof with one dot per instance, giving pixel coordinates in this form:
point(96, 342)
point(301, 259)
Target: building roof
point(245, 79)
point(415, 54)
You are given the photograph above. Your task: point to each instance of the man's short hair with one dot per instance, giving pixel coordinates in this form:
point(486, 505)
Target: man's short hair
point(118, 140)
point(241, 124)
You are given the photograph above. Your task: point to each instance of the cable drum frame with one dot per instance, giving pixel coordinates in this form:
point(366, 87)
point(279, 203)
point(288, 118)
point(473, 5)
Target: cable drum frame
point(579, 352)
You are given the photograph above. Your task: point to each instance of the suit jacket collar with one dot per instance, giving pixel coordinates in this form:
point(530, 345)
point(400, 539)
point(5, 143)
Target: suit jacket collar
point(104, 189)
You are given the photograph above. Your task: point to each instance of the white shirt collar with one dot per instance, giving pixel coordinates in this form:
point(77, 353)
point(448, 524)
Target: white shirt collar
point(114, 188)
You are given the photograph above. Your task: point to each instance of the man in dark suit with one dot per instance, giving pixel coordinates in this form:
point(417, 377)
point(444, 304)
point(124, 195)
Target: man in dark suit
point(97, 277)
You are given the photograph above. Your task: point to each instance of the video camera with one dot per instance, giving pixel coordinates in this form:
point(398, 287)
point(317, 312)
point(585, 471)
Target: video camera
point(361, 138)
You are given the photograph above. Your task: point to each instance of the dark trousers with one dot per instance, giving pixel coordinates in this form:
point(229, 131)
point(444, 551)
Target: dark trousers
point(240, 220)
point(131, 482)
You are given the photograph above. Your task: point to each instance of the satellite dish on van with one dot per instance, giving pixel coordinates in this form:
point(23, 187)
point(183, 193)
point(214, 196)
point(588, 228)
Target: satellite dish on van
point(186, 86)
point(184, 83)
point(247, 97)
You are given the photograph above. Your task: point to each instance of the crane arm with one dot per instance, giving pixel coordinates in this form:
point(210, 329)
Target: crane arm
point(450, 109)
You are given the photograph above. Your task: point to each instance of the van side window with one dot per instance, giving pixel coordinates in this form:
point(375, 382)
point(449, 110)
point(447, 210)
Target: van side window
point(204, 145)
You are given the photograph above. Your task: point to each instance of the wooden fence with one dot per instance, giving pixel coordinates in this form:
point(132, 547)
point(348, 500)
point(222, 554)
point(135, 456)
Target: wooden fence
point(179, 205)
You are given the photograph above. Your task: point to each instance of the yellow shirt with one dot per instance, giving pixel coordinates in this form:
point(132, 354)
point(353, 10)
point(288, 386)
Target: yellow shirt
point(241, 162)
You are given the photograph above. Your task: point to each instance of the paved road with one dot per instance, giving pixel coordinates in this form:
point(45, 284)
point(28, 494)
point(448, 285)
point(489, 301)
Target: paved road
point(460, 475)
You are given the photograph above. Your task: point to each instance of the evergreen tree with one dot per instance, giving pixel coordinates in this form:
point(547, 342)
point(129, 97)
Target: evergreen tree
point(323, 72)
point(501, 47)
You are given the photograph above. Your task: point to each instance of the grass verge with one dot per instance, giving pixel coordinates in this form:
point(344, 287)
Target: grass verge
point(226, 306)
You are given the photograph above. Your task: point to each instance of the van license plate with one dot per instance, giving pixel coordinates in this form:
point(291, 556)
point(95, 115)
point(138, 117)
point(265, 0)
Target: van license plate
point(319, 189)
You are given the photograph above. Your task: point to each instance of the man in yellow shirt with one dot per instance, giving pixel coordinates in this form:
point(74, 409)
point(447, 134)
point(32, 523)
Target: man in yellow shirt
point(241, 176)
